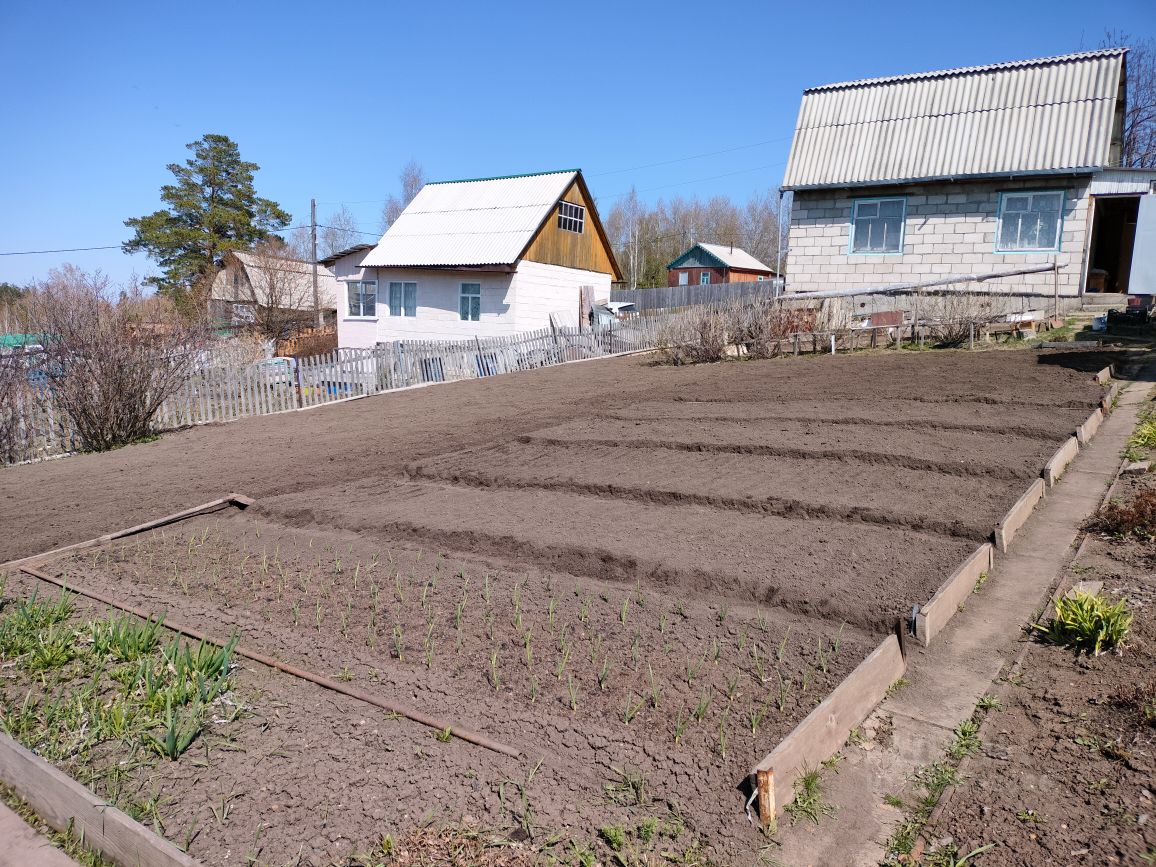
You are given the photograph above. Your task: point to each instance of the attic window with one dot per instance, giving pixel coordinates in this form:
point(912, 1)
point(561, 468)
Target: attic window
point(571, 217)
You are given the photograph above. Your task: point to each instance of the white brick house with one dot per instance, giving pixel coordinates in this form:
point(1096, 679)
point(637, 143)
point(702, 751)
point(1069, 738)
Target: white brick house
point(982, 169)
point(477, 258)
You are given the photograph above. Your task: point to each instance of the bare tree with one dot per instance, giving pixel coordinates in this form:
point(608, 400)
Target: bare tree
point(338, 233)
point(278, 294)
point(110, 362)
point(1139, 150)
point(411, 180)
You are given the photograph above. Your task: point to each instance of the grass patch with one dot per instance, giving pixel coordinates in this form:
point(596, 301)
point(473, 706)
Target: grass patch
point(809, 802)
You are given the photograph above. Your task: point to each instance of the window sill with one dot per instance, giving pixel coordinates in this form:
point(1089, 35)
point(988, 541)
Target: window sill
point(1050, 250)
point(360, 319)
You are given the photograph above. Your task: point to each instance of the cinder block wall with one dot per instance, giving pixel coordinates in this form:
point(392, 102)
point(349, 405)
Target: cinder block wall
point(950, 229)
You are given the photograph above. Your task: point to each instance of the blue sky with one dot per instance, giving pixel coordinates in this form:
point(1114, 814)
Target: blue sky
point(332, 99)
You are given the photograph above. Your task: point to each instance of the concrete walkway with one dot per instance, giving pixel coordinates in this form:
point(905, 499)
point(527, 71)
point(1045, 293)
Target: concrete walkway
point(21, 846)
point(947, 679)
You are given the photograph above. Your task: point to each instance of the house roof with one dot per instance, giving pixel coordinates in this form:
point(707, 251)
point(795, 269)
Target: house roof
point(482, 221)
point(729, 256)
point(341, 254)
point(1048, 115)
point(294, 286)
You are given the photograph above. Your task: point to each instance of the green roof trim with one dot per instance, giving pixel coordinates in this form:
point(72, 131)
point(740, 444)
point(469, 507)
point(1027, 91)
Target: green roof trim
point(12, 341)
point(677, 263)
point(509, 177)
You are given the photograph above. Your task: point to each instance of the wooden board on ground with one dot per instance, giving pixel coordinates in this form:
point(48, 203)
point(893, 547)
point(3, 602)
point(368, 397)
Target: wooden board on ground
point(825, 729)
point(1058, 462)
point(70, 808)
point(1018, 514)
point(1087, 430)
point(933, 616)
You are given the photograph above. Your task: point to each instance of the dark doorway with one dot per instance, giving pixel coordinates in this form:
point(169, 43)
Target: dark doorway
point(1113, 235)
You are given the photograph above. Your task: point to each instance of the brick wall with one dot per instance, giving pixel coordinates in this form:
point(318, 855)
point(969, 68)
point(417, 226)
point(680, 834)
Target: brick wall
point(950, 229)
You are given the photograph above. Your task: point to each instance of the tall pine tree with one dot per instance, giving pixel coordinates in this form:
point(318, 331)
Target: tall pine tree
point(212, 209)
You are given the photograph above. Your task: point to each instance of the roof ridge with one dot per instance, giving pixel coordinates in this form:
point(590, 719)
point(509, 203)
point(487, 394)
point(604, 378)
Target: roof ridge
point(968, 70)
point(507, 177)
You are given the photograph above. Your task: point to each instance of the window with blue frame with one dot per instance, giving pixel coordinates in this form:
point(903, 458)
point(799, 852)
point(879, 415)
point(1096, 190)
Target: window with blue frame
point(704, 278)
point(1030, 222)
point(470, 302)
point(877, 225)
point(403, 299)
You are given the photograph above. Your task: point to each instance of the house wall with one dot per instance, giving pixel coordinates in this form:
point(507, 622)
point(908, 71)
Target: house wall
point(511, 303)
point(950, 228)
point(717, 275)
point(587, 251)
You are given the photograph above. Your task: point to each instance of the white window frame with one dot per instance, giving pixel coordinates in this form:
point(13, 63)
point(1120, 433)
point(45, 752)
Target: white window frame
point(683, 278)
point(406, 298)
point(571, 217)
point(877, 200)
point(704, 278)
point(475, 299)
point(1029, 195)
point(363, 292)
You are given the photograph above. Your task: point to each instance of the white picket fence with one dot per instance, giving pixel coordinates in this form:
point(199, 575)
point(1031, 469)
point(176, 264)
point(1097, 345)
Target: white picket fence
point(226, 393)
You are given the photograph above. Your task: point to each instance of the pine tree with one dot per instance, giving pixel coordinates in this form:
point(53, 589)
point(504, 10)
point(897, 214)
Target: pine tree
point(212, 209)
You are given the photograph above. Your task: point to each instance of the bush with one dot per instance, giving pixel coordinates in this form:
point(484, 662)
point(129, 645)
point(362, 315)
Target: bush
point(762, 326)
point(1136, 517)
point(110, 362)
point(1088, 623)
point(694, 337)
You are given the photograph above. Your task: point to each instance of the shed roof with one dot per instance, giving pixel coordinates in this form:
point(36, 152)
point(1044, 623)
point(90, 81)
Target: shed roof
point(728, 255)
point(292, 279)
point(332, 258)
point(1048, 115)
point(484, 221)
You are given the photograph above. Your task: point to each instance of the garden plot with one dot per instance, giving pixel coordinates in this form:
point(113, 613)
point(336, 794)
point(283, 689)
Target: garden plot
point(628, 705)
point(800, 488)
point(958, 452)
point(865, 574)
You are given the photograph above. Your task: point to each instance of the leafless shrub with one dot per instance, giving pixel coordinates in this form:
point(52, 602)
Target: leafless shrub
point(956, 316)
point(16, 402)
point(699, 335)
point(278, 295)
point(762, 326)
point(109, 363)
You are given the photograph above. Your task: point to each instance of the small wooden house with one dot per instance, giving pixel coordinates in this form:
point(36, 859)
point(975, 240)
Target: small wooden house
point(704, 264)
point(485, 257)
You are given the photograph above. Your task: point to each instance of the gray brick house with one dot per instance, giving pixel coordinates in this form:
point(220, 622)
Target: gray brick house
point(989, 168)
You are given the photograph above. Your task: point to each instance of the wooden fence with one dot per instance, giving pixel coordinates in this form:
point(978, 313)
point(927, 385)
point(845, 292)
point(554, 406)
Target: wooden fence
point(673, 297)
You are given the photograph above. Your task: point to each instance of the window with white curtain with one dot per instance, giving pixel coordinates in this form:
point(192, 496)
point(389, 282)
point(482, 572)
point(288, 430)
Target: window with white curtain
point(1030, 222)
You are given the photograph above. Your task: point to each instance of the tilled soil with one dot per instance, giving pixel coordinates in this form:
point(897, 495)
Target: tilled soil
point(1067, 772)
point(672, 690)
point(684, 542)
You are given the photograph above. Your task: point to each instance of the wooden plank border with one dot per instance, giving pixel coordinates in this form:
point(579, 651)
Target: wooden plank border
point(824, 730)
point(1107, 402)
point(1018, 514)
point(1104, 376)
point(72, 809)
point(1058, 462)
point(933, 616)
point(1087, 430)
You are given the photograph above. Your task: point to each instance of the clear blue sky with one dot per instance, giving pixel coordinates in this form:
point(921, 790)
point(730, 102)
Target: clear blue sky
point(332, 99)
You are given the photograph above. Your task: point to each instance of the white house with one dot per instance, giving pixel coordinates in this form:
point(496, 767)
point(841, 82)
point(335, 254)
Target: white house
point(988, 168)
point(477, 258)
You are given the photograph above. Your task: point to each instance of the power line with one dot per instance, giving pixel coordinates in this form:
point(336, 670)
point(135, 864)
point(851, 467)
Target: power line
point(63, 250)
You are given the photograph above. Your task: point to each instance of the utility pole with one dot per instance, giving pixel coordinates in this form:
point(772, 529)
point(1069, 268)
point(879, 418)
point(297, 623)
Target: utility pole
point(313, 242)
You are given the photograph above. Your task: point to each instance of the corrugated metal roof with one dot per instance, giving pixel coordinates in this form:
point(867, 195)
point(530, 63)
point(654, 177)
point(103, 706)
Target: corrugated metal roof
point(293, 282)
point(476, 222)
point(733, 257)
point(1117, 182)
point(1053, 114)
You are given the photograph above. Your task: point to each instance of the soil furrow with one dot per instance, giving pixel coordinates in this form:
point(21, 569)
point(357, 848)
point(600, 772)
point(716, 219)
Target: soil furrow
point(846, 455)
point(781, 507)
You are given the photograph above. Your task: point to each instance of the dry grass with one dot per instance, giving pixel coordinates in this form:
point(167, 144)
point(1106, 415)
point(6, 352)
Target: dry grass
point(1136, 517)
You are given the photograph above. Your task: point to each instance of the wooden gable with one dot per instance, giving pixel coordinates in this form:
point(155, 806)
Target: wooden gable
point(589, 250)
